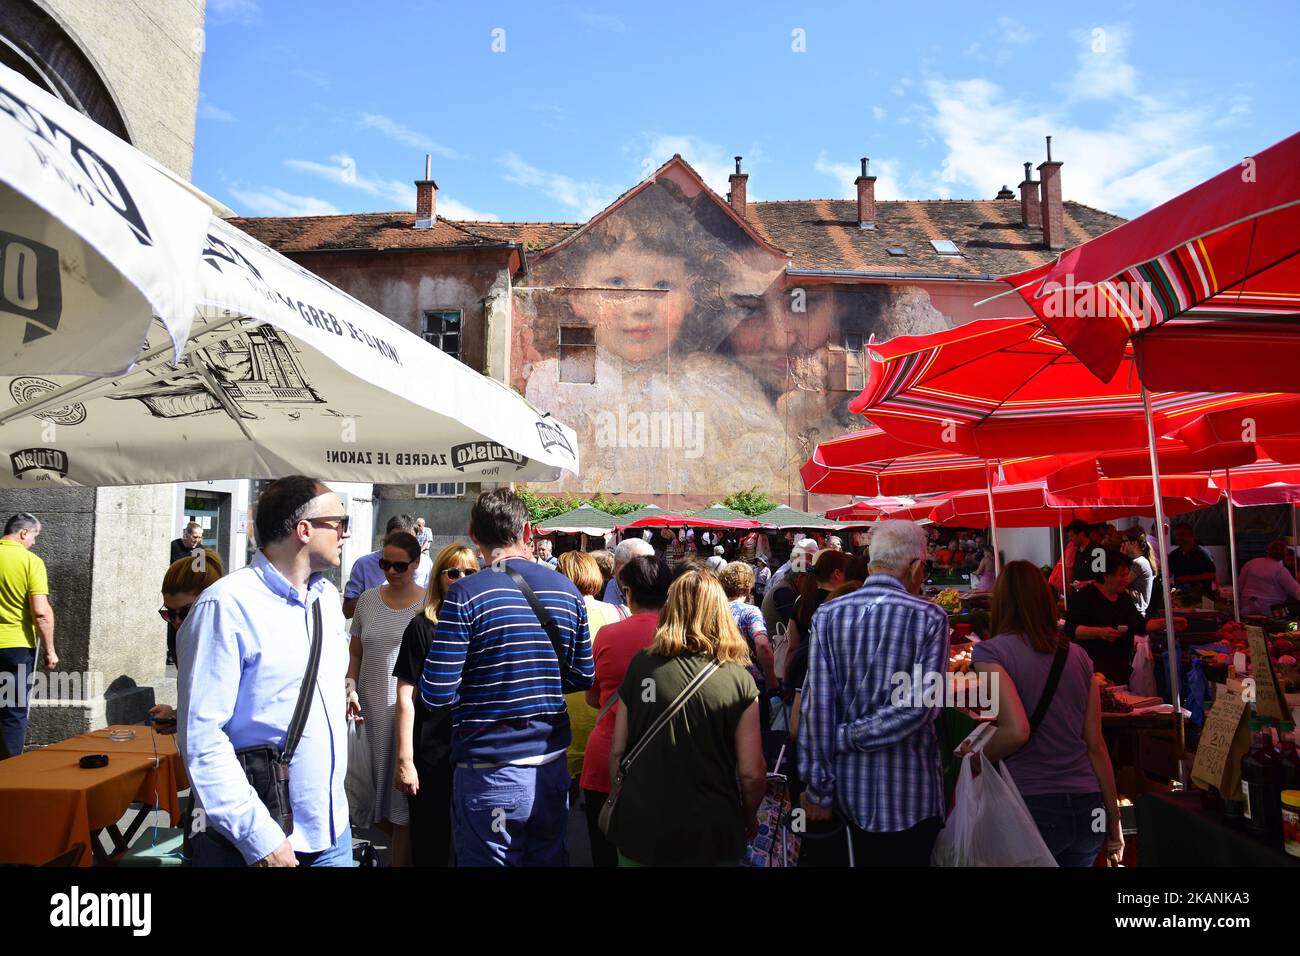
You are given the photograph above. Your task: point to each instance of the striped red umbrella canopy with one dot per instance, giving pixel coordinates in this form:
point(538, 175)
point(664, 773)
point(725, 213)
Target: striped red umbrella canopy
point(1205, 289)
point(874, 463)
point(686, 521)
point(1008, 388)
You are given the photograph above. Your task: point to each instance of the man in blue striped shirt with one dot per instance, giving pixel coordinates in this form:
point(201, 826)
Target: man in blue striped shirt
point(864, 750)
point(492, 662)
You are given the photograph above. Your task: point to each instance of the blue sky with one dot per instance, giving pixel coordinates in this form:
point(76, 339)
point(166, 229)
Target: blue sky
point(549, 111)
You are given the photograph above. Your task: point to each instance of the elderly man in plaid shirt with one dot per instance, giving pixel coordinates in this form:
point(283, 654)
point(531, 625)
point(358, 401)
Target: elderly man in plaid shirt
point(875, 762)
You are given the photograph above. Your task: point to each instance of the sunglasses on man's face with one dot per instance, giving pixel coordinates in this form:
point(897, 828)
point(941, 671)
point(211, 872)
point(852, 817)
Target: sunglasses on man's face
point(457, 573)
point(341, 527)
point(398, 567)
point(175, 617)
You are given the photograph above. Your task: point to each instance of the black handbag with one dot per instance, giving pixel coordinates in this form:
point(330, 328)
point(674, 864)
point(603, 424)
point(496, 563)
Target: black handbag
point(266, 766)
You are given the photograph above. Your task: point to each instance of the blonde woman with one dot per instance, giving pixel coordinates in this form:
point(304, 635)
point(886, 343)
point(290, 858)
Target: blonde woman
point(581, 568)
point(185, 580)
point(679, 803)
point(422, 738)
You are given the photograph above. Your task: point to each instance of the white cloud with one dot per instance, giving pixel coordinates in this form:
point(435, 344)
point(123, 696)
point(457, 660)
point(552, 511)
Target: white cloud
point(879, 113)
point(885, 170)
point(276, 202)
point(233, 11)
point(210, 111)
point(998, 44)
point(714, 164)
point(399, 193)
point(451, 209)
point(405, 135)
point(315, 77)
point(1148, 147)
point(585, 199)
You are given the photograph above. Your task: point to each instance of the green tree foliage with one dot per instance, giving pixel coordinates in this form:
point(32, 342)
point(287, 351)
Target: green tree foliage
point(752, 502)
point(541, 507)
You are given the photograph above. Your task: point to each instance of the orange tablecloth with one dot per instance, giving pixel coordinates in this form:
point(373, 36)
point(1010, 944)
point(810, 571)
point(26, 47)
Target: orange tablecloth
point(50, 803)
point(99, 742)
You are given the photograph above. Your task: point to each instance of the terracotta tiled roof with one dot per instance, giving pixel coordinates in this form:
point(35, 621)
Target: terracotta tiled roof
point(534, 235)
point(818, 234)
point(393, 230)
point(824, 234)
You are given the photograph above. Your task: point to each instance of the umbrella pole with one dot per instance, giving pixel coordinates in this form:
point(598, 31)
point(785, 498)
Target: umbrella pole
point(1232, 546)
point(1171, 639)
point(993, 519)
point(1295, 541)
point(1065, 582)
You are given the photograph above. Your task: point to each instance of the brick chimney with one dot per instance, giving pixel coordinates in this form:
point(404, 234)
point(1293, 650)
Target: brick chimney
point(866, 198)
point(426, 197)
point(1053, 212)
point(1031, 213)
point(737, 195)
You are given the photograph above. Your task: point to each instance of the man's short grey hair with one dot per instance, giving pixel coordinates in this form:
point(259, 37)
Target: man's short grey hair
point(23, 521)
point(193, 526)
point(896, 544)
point(632, 548)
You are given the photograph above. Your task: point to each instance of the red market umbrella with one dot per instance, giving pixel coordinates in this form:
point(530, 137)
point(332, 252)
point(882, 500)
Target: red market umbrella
point(1008, 388)
point(1032, 505)
point(869, 511)
point(1204, 288)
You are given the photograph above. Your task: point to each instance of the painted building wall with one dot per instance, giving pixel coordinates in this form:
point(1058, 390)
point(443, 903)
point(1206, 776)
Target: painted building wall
point(689, 362)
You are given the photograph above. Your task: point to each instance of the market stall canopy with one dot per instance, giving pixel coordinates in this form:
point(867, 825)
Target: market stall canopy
point(94, 241)
point(1205, 288)
point(276, 372)
point(718, 512)
point(640, 512)
point(667, 520)
point(1008, 388)
point(1265, 482)
point(783, 517)
point(581, 520)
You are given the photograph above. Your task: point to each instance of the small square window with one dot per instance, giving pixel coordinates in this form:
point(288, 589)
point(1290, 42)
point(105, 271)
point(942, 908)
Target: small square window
point(897, 251)
point(442, 330)
point(945, 247)
point(444, 489)
point(578, 354)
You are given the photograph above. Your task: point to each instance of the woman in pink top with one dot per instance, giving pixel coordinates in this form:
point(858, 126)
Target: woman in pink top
point(645, 582)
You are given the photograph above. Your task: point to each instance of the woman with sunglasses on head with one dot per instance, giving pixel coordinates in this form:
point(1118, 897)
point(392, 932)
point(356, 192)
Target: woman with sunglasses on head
point(184, 581)
point(378, 622)
point(423, 737)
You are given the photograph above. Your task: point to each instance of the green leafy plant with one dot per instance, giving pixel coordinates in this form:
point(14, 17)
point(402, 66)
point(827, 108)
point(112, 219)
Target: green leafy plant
point(541, 507)
point(751, 502)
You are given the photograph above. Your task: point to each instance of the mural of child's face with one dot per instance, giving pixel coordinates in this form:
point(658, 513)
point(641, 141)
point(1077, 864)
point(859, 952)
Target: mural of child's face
point(636, 300)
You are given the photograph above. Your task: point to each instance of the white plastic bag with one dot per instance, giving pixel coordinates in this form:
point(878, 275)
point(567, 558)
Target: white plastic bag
point(989, 824)
point(1142, 682)
point(358, 785)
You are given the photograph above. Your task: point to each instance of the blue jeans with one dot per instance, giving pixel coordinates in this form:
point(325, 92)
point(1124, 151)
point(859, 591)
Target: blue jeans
point(17, 671)
point(511, 816)
point(205, 850)
point(1073, 825)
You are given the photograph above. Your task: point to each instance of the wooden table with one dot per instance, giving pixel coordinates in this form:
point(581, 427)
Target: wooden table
point(51, 803)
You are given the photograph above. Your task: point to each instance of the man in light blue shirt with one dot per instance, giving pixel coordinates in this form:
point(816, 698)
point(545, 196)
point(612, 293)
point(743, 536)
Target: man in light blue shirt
point(244, 651)
point(367, 574)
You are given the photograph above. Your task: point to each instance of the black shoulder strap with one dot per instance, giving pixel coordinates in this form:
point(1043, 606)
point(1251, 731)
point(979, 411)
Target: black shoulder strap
point(307, 692)
point(543, 616)
point(1049, 689)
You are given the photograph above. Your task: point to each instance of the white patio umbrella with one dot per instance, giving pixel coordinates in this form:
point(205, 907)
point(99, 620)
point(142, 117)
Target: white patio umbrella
point(278, 372)
point(291, 376)
point(94, 240)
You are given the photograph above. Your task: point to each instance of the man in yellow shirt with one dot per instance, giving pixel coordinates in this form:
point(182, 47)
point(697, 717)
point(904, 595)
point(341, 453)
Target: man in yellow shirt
point(25, 615)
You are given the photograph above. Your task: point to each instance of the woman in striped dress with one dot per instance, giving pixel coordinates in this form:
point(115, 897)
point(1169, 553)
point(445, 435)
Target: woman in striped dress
point(378, 623)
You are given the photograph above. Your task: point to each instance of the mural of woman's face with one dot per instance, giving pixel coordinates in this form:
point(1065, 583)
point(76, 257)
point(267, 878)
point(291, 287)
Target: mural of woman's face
point(636, 299)
point(773, 332)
